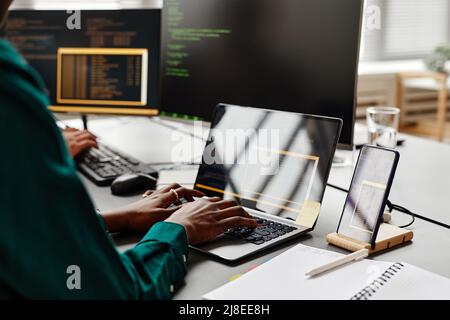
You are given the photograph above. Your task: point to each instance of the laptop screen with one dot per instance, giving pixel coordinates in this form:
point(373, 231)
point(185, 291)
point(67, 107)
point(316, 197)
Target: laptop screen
point(270, 161)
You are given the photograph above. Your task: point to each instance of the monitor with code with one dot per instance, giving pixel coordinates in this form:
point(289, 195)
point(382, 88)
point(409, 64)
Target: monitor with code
point(102, 76)
point(113, 62)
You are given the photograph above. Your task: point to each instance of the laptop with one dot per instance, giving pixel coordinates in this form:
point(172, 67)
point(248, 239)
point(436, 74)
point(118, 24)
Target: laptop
point(273, 163)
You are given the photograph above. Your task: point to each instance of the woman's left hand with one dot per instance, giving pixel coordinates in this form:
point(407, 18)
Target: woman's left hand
point(79, 141)
point(155, 206)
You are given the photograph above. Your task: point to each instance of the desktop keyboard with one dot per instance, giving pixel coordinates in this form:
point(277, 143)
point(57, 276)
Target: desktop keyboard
point(103, 165)
point(267, 231)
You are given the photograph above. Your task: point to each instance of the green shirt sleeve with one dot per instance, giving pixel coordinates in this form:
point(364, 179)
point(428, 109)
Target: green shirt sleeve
point(48, 222)
point(164, 245)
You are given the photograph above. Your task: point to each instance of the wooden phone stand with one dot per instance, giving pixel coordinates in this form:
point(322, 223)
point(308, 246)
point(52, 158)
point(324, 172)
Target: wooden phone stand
point(388, 236)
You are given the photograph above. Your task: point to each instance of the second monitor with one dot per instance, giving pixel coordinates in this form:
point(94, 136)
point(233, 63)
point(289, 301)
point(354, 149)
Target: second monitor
point(291, 55)
point(106, 77)
point(109, 65)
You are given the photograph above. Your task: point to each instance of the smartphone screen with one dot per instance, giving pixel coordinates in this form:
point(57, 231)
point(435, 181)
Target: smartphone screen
point(368, 193)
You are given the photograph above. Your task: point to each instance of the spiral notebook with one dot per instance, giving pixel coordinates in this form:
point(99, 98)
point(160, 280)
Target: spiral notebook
point(283, 278)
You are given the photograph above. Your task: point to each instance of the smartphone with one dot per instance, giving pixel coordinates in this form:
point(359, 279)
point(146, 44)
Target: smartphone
point(368, 193)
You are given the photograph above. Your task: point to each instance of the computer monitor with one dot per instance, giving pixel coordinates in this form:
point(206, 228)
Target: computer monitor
point(291, 55)
point(110, 65)
point(109, 77)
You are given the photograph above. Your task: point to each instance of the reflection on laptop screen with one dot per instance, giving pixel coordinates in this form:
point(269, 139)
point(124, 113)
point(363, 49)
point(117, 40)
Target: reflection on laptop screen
point(268, 160)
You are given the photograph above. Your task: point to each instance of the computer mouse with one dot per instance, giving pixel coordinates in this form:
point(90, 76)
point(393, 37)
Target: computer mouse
point(132, 183)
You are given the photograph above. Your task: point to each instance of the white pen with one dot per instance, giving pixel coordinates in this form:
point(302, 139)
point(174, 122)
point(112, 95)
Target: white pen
point(355, 256)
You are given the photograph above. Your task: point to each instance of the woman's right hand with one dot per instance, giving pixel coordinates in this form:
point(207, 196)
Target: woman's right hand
point(205, 219)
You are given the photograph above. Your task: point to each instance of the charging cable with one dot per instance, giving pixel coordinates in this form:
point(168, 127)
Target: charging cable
point(391, 207)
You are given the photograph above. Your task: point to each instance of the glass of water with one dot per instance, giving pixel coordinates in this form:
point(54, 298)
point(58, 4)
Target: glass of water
point(382, 123)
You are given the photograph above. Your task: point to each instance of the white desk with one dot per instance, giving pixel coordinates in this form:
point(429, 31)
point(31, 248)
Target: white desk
point(422, 184)
point(422, 181)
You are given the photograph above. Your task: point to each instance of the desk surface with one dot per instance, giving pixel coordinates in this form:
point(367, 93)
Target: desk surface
point(422, 181)
point(422, 184)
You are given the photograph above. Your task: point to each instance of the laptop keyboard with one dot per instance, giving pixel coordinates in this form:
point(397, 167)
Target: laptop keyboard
point(267, 231)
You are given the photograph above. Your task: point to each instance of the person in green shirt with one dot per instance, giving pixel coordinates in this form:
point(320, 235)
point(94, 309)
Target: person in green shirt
point(53, 244)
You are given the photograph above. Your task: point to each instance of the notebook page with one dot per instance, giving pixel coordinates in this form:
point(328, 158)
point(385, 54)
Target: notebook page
point(284, 278)
point(413, 283)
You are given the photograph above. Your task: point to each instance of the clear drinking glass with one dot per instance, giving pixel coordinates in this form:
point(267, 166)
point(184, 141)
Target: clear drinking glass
point(382, 123)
